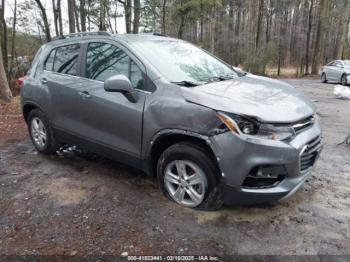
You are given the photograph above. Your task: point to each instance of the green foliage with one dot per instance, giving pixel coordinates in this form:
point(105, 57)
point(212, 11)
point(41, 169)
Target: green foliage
point(256, 62)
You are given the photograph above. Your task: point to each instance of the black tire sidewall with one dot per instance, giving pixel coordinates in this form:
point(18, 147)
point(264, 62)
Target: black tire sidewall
point(50, 145)
point(193, 153)
point(341, 80)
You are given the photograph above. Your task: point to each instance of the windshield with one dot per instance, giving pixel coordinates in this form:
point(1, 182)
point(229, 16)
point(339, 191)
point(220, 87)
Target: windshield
point(179, 61)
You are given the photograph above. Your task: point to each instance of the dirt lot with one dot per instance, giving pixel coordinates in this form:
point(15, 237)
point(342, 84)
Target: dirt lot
point(75, 205)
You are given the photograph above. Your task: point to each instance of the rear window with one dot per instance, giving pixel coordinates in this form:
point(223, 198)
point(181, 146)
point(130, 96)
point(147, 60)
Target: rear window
point(63, 60)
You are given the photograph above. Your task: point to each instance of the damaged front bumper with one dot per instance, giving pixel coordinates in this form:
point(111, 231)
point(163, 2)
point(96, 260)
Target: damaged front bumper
point(260, 171)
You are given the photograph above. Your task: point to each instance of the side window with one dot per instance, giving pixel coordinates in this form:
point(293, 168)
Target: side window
point(49, 61)
point(338, 64)
point(106, 60)
point(66, 59)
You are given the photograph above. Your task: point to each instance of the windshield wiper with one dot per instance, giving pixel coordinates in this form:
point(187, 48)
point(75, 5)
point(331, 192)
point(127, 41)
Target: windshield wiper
point(185, 83)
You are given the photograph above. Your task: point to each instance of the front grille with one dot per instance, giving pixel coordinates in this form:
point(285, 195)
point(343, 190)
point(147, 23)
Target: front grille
point(304, 124)
point(310, 153)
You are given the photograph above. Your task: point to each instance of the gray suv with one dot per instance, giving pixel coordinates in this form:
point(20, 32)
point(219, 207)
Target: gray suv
point(211, 134)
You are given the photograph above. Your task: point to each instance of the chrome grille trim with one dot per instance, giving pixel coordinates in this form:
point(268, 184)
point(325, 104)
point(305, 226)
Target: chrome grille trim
point(304, 124)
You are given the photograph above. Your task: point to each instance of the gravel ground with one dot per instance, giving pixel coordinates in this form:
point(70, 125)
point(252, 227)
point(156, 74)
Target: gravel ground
point(73, 204)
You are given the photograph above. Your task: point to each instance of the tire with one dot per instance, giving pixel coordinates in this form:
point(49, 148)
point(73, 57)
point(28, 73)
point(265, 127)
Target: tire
point(343, 80)
point(323, 78)
point(48, 145)
point(193, 158)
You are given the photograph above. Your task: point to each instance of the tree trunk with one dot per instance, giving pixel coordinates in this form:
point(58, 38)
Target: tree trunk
point(45, 21)
point(59, 16)
point(342, 26)
point(71, 6)
point(308, 35)
point(102, 23)
point(82, 15)
point(181, 27)
point(231, 32)
point(319, 36)
point(13, 44)
point(55, 17)
point(3, 34)
point(136, 21)
point(88, 15)
point(164, 17)
point(5, 92)
point(259, 25)
point(127, 10)
point(116, 18)
point(76, 16)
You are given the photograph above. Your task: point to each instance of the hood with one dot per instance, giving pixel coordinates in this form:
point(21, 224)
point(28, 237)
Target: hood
point(266, 99)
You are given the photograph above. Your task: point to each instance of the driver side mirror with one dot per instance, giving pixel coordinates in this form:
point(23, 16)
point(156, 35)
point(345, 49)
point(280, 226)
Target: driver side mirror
point(121, 84)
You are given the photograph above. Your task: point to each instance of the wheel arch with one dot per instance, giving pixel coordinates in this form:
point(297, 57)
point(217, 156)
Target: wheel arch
point(167, 138)
point(343, 75)
point(27, 108)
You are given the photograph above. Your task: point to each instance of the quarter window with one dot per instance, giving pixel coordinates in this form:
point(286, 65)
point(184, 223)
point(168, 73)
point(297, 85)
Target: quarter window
point(63, 60)
point(106, 60)
point(66, 59)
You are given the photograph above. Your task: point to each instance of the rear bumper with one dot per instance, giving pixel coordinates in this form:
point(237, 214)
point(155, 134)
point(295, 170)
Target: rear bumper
point(237, 157)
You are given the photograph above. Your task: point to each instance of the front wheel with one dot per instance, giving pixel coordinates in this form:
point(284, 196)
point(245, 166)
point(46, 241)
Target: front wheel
point(343, 80)
point(189, 177)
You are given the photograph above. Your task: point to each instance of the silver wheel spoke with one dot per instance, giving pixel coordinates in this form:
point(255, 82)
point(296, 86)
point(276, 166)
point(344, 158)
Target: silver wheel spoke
point(172, 178)
point(179, 194)
point(194, 195)
point(180, 167)
point(195, 179)
point(35, 125)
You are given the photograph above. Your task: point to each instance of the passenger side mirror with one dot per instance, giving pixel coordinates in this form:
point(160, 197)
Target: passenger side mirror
point(121, 84)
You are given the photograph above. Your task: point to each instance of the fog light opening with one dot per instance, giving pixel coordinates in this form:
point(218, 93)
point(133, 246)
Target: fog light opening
point(261, 177)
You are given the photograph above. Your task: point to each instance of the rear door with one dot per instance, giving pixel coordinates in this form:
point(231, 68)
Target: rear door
point(109, 118)
point(61, 76)
point(338, 70)
point(330, 70)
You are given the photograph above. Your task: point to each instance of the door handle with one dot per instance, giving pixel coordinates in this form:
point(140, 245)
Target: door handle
point(44, 81)
point(85, 94)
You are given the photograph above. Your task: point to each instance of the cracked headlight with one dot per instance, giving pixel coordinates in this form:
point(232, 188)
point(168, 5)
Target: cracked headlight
point(239, 124)
point(251, 127)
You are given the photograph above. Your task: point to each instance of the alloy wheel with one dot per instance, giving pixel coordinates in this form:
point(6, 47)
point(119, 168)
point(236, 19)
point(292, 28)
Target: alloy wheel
point(185, 182)
point(38, 132)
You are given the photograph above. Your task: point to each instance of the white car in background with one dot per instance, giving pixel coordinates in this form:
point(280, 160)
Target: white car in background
point(336, 71)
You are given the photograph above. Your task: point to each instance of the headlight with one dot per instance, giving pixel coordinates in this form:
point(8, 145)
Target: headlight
point(239, 124)
point(251, 127)
point(273, 132)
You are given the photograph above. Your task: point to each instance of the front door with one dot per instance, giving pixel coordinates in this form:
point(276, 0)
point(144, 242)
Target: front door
point(109, 118)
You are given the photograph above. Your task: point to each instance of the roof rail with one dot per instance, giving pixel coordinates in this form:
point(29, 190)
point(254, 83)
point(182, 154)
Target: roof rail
point(160, 34)
point(82, 34)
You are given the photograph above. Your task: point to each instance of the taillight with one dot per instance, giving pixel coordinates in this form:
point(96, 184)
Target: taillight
point(20, 81)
